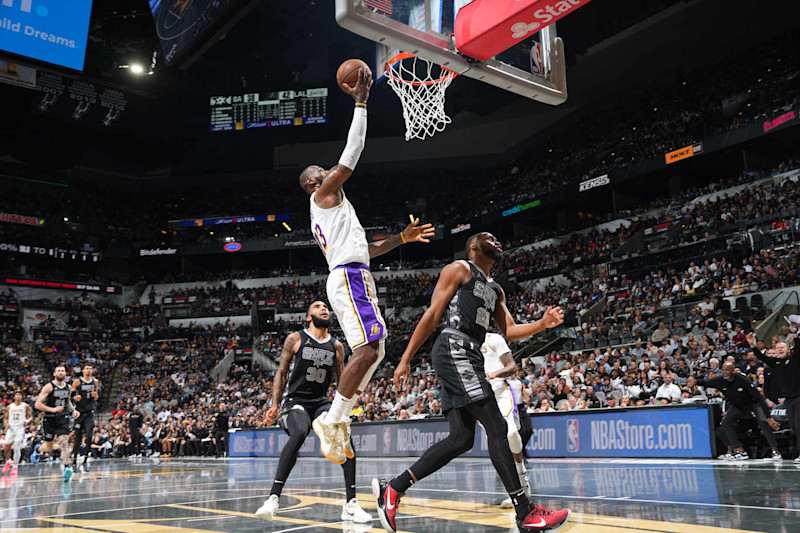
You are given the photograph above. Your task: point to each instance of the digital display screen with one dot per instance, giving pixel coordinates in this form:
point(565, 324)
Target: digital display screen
point(269, 110)
point(54, 31)
point(179, 23)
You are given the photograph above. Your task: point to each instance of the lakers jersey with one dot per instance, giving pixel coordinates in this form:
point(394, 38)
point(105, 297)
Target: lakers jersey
point(16, 415)
point(339, 234)
point(494, 346)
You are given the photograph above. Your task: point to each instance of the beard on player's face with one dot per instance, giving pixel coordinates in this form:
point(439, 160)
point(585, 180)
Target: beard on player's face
point(490, 251)
point(321, 323)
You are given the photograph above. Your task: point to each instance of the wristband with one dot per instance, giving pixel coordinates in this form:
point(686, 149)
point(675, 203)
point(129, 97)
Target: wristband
point(402, 238)
point(361, 104)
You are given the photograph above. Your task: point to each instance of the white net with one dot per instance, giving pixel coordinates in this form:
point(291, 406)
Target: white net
point(421, 86)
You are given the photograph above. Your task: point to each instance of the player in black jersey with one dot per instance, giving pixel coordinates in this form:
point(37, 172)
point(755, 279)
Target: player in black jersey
point(309, 360)
point(54, 401)
point(471, 299)
point(85, 391)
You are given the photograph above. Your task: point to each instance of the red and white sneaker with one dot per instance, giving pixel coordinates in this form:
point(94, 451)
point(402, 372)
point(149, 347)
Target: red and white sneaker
point(7, 466)
point(388, 500)
point(543, 519)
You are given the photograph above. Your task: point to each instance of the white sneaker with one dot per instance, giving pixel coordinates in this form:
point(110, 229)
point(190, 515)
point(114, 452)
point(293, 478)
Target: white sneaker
point(352, 512)
point(776, 456)
point(507, 504)
point(267, 511)
point(726, 457)
point(797, 461)
point(329, 443)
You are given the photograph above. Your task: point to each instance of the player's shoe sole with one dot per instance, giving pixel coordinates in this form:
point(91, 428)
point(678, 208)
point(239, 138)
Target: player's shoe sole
point(328, 445)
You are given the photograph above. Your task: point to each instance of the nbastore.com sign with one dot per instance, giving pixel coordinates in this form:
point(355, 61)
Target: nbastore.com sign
point(593, 183)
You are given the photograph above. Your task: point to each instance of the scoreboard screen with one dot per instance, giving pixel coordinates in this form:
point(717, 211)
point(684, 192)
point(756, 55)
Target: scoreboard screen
point(269, 110)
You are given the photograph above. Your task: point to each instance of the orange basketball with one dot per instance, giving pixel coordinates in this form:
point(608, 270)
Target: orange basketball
point(347, 74)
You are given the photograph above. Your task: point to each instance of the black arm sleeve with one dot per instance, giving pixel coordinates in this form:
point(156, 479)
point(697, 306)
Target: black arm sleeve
point(712, 383)
point(758, 398)
point(765, 358)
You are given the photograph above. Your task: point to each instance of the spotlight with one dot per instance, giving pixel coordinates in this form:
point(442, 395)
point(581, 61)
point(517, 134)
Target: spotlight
point(285, 225)
point(137, 69)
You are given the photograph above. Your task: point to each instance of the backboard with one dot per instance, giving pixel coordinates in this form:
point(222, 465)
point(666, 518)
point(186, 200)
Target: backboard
point(534, 68)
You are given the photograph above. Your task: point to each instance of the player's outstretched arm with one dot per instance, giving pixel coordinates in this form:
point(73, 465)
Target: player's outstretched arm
point(356, 139)
point(413, 233)
point(514, 332)
point(453, 276)
point(290, 347)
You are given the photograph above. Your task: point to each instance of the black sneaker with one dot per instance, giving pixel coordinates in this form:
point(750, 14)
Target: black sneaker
point(740, 455)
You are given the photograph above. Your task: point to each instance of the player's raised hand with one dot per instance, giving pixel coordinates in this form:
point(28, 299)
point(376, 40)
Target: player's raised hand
point(361, 91)
point(416, 233)
point(553, 317)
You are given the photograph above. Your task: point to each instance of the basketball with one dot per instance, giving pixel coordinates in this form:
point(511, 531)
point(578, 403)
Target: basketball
point(348, 72)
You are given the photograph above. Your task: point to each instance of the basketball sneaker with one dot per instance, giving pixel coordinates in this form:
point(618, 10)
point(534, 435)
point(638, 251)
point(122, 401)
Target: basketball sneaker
point(352, 512)
point(727, 456)
point(329, 443)
point(797, 461)
point(776, 456)
point(740, 455)
point(267, 511)
point(348, 446)
point(387, 499)
point(35, 456)
point(543, 519)
point(67, 474)
point(507, 504)
point(7, 466)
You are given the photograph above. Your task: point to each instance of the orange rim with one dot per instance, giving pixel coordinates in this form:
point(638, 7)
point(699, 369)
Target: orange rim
point(447, 73)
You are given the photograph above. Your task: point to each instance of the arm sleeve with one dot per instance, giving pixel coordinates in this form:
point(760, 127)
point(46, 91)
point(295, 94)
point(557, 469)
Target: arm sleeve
point(758, 398)
point(356, 138)
point(765, 358)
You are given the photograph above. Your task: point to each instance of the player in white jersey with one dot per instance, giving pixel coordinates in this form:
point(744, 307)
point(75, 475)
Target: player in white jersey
point(17, 415)
point(500, 369)
point(351, 287)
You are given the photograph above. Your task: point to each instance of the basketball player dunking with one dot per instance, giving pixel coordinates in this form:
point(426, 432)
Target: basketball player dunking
point(351, 287)
point(309, 360)
point(17, 415)
point(54, 401)
point(85, 391)
point(470, 298)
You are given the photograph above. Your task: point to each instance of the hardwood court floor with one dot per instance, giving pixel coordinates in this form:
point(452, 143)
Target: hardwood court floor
point(203, 496)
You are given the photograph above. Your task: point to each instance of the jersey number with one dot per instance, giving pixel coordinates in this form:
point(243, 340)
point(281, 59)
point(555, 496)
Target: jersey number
point(316, 374)
point(320, 238)
point(482, 318)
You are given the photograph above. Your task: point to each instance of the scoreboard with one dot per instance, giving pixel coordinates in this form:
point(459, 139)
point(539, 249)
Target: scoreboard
point(269, 110)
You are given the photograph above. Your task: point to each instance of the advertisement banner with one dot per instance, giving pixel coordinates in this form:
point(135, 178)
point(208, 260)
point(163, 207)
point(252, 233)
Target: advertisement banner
point(21, 219)
point(67, 285)
point(677, 432)
point(599, 181)
point(779, 121)
point(684, 153)
point(52, 253)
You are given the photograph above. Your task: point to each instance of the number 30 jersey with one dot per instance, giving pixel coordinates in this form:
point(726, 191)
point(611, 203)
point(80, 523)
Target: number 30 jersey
point(311, 370)
point(339, 234)
point(471, 309)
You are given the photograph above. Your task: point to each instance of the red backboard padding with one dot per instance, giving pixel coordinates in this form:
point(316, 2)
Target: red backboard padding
point(484, 28)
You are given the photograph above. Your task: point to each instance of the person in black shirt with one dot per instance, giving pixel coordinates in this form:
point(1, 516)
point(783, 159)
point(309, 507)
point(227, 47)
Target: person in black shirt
point(135, 427)
point(469, 299)
point(309, 361)
point(221, 430)
point(743, 397)
point(85, 391)
point(785, 380)
point(54, 401)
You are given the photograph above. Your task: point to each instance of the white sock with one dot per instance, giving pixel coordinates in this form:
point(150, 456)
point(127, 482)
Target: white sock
point(520, 467)
point(334, 416)
point(348, 408)
point(17, 455)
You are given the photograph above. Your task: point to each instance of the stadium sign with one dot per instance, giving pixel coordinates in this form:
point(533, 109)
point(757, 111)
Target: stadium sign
point(21, 219)
point(53, 253)
point(460, 228)
point(684, 153)
point(599, 181)
point(68, 285)
point(778, 121)
point(522, 207)
point(157, 251)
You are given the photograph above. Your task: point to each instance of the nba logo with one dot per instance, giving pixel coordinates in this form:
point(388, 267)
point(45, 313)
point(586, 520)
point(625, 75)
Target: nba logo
point(537, 67)
point(573, 441)
point(387, 440)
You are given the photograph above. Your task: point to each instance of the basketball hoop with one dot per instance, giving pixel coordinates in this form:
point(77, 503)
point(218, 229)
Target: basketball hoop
point(421, 93)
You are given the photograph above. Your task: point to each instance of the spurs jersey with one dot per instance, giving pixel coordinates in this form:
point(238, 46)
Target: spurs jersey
point(58, 396)
point(85, 389)
point(470, 311)
point(16, 415)
point(311, 370)
point(494, 346)
point(339, 234)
